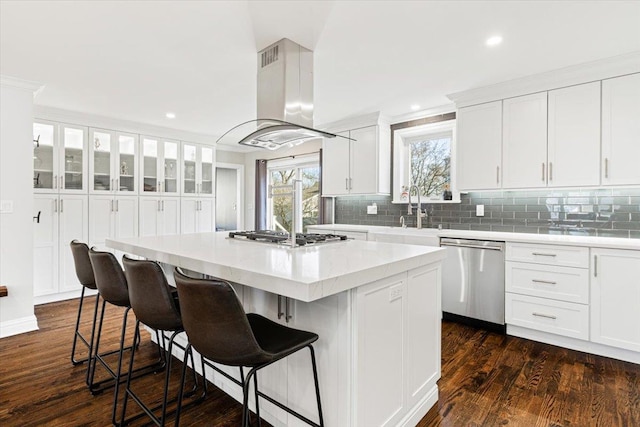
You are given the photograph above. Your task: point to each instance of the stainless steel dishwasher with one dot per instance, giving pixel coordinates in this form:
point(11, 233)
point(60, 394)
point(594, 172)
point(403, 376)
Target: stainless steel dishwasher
point(473, 282)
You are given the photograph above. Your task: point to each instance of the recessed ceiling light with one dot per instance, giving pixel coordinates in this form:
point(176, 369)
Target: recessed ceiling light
point(170, 115)
point(415, 107)
point(494, 41)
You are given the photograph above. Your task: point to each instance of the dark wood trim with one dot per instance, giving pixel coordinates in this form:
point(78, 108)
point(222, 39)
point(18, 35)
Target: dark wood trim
point(3, 291)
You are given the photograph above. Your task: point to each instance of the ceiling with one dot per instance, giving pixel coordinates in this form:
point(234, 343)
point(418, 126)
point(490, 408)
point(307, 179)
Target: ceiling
point(138, 60)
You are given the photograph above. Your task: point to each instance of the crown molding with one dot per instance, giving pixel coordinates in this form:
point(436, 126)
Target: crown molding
point(17, 83)
point(563, 77)
point(429, 112)
point(355, 122)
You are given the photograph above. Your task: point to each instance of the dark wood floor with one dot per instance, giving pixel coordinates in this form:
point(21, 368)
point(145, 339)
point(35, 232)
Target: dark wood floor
point(487, 380)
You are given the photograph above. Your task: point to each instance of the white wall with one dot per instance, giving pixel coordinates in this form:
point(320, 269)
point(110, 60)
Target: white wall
point(16, 186)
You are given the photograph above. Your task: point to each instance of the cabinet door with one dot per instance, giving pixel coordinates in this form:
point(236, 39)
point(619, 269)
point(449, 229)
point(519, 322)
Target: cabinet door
point(169, 222)
point(188, 215)
point(74, 224)
point(205, 215)
point(524, 148)
point(101, 222)
point(363, 165)
point(621, 130)
point(125, 172)
point(479, 146)
point(126, 218)
point(615, 298)
point(335, 166)
point(74, 163)
point(574, 136)
point(45, 157)
point(205, 179)
point(170, 168)
point(45, 245)
point(150, 165)
point(189, 167)
point(149, 216)
point(101, 144)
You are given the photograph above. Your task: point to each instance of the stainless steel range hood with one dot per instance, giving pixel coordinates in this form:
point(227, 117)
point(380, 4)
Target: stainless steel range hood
point(285, 100)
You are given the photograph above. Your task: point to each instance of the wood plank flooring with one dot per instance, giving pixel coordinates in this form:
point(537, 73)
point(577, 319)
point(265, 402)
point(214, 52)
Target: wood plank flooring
point(487, 380)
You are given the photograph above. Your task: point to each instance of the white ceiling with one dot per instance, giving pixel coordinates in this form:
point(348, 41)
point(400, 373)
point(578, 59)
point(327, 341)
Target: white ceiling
point(137, 60)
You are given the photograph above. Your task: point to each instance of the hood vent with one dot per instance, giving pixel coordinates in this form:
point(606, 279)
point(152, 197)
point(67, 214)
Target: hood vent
point(285, 100)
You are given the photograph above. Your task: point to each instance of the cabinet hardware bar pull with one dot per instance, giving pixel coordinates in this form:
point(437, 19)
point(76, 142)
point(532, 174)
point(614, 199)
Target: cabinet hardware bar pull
point(543, 171)
point(489, 248)
point(497, 174)
point(162, 201)
point(55, 205)
point(547, 282)
point(606, 167)
point(550, 171)
point(280, 313)
point(117, 205)
point(287, 315)
point(55, 181)
point(548, 316)
point(346, 183)
point(543, 254)
point(159, 190)
point(61, 205)
point(61, 182)
point(117, 185)
point(350, 183)
point(158, 208)
point(595, 266)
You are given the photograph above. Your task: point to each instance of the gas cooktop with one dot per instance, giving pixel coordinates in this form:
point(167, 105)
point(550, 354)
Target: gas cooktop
point(271, 236)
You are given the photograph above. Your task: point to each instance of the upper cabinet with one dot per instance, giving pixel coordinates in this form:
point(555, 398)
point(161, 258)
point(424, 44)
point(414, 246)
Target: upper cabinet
point(198, 166)
point(160, 166)
point(59, 158)
point(574, 136)
point(479, 146)
point(621, 130)
point(112, 162)
point(524, 148)
point(359, 165)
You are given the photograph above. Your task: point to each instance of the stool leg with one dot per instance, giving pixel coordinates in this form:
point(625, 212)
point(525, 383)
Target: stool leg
point(91, 370)
point(245, 397)
point(182, 380)
point(315, 379)
point(255, 390)
point(116, 388)
point(128, 384)
point(76, 332)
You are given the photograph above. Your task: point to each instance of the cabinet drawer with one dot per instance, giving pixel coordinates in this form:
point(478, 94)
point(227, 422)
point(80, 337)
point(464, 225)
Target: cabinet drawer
point(355, 235)
point(556, 317)
point(548, 281)
point(568, 256)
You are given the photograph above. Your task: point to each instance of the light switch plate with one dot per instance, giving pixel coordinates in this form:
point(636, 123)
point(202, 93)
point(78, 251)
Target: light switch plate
point(372, 210)
point(479, 210)
point(6, 206)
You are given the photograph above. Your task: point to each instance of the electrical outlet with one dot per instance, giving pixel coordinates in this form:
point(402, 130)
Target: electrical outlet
point(6, 206)
point(372, 210)
point(479, 210)
point(395, 292)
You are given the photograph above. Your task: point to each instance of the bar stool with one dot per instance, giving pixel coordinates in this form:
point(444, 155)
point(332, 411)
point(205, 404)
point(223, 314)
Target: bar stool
point(84, 272)
point(220, 330)
point(156, 306)
point(112, 285)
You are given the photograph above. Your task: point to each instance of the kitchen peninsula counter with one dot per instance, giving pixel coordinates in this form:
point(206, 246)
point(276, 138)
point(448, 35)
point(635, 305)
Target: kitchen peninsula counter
point(375, 306)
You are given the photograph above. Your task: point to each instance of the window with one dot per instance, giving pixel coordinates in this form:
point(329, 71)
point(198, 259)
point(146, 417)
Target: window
point(422, 157)
point(279, 209)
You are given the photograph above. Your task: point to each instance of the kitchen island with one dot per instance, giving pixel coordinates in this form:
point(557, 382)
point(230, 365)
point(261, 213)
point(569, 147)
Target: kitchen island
point(375, 306)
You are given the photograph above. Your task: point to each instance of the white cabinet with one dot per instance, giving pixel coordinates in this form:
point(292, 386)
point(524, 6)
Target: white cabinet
point(159, 216)
point(112, 217)
point(479, 146)
point(59, 158)
point(357, 166)
point(112, 162)
point(615, 298)
point(59, 220)
point(160, 166)
point(524, 149)
point(196, 215)
point(574, 136)
point(198, 165)
point(621, 130)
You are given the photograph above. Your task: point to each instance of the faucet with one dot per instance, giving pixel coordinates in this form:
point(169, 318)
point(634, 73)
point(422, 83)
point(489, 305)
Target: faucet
point(402, 223)
point(419, 212)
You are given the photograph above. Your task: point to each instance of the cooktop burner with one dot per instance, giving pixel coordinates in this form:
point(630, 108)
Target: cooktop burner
point(282, 237)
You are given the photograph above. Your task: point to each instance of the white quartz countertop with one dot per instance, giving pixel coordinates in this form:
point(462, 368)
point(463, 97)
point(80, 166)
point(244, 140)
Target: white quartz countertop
point(555, 239)
point(304, 273)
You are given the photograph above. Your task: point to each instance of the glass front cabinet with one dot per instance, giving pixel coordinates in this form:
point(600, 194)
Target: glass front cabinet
point(59, 158)
point(160, 166)
point(198, 166)
point(112, 162)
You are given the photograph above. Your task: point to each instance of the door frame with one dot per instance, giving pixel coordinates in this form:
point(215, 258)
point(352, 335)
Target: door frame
point(239, 192)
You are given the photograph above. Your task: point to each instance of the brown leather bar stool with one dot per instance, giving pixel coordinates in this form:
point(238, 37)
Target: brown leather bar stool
point(84, 272)
point(112, 285)
point(221, 331)
point(156, 306)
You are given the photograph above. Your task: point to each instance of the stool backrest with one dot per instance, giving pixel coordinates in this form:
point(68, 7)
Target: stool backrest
point(150, 295)
point(84, 270)
point(110, 279)
point(216, 323)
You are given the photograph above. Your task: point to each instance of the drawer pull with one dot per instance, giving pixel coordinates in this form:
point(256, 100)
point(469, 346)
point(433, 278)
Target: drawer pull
point(546, 282)
point(548, 316)
point(543, 254)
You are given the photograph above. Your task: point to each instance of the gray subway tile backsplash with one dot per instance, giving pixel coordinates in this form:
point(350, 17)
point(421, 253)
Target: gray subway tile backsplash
point(591, 212)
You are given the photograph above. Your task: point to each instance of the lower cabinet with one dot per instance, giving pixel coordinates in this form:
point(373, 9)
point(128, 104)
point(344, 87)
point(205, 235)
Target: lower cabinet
point(58, 219)
point(615, 298)
point(159, 216)
point(196, 215)
point(112, 217)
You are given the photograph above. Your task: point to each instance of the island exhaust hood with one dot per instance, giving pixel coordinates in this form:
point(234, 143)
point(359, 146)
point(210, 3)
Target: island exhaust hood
point(285, 100)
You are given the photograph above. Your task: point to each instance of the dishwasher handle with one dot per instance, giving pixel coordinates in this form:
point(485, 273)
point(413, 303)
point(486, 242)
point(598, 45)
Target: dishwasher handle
point(474, 244)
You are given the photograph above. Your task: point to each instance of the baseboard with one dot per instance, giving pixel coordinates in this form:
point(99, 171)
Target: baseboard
point(421, 408)
point(18, 326)
point(45, 299)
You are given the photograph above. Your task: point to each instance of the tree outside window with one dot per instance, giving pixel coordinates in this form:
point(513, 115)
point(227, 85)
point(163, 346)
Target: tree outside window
point(430, 164)
point(280, 207)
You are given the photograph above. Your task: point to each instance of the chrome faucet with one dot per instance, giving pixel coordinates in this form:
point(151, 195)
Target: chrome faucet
point(419, 213)
point(402, 223)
